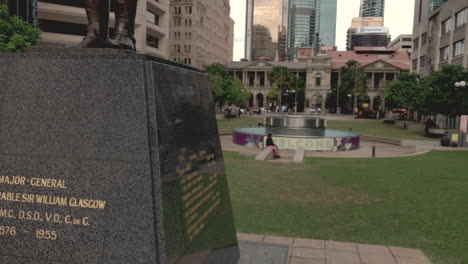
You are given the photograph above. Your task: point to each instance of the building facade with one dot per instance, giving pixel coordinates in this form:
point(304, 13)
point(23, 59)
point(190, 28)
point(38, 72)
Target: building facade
point(372, 8)
point(321, 73)
point(265, 29)
point(440, 35)
point(63, 22)
point(327, 31)
point(403, 42)
point(367, 32)
point(277, 29)
point(303, 26)
point(201, 32)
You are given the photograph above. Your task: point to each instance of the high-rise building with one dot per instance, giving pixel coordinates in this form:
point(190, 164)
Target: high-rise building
point(201, 32)
point(303, 26)
point(372, 8)
point(277, 29)
point(327, 33)
point(440, 35)
point(367, 32)
point(265, 29)
point(64, 22)
point(403, 42)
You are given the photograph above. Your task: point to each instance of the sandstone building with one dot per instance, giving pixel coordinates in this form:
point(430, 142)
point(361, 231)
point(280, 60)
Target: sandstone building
point(321, 73)
point(201, 32)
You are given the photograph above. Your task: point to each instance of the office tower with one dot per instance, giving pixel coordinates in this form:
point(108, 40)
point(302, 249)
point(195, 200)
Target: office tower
point(303, 26)
point(64, 22)
point(372, 8)
point(201, 32)
point(367, 32)
point(265, 29)
point(440, 34)
point(327, 31)
point(403, 42)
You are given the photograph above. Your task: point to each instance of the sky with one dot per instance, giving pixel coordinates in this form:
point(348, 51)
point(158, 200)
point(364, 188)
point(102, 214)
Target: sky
point(398, 18)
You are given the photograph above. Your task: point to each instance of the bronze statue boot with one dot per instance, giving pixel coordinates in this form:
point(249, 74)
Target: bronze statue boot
point(124, 25)
point(98, 22)
point(123, 40)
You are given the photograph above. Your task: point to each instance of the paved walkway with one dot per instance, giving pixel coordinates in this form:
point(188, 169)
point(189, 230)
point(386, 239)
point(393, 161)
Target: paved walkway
point(309, 251)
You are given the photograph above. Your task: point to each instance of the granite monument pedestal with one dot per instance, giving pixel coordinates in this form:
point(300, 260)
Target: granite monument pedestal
point(110, 157)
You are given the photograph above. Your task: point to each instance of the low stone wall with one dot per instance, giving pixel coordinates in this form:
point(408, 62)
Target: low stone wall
point(417, 127)
point(400, 123)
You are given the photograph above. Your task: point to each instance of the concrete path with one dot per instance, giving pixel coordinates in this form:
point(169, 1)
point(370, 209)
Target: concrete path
point(424, 145)
point(310, 251)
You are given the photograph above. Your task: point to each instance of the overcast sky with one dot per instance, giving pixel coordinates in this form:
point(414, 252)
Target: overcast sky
point(398, 18)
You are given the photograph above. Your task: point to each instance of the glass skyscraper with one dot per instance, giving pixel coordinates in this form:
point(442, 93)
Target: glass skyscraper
point(303, 26)
point(264, 29)
point(372, 8)
point(278, 28)
point(327, 31)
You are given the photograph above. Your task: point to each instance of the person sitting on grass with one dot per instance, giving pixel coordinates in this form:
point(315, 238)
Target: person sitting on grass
point(271, 145)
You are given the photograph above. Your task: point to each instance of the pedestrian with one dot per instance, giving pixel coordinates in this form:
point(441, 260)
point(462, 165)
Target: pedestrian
point(271, 145)
point(429, 124)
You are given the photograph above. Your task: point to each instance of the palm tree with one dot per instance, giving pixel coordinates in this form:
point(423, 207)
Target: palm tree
point(282, 79)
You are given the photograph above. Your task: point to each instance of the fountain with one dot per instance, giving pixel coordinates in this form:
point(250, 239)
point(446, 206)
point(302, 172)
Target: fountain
point(292, 132)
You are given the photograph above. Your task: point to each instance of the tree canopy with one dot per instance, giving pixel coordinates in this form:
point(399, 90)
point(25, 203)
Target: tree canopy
point(225, 89)
point(409, 92)
point(353, 78)
point(282, 80)
point(15, 34)
point(443, 97)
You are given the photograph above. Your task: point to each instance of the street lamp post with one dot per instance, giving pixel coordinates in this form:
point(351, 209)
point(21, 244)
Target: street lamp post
point(462, 85)
point(349, 103)
point(295, 99)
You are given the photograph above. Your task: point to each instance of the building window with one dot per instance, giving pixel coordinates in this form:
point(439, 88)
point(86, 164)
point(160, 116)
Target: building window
point(416, 43)
point(446, 26)
point(318, 79)
point(423, 39)
point(444, 53)
point(152, 41)
point(415, 64)
point(152, 17)
point(460, 18)
point(458, 48)
point(422, 61)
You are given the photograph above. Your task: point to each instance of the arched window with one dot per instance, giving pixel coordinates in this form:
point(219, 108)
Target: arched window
point(318, 79)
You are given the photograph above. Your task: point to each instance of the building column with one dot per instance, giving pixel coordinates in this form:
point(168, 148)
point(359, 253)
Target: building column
point(244, 78)
point(373, 79)
point(383, 101)
point(371, 102)
point(324, 100)
point(256, 80)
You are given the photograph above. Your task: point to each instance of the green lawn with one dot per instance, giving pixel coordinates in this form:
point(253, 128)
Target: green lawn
point(364, 127)
point(244, 121)
point(419, 202)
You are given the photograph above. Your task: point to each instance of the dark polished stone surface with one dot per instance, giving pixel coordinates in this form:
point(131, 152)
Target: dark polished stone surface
point(120, 157)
